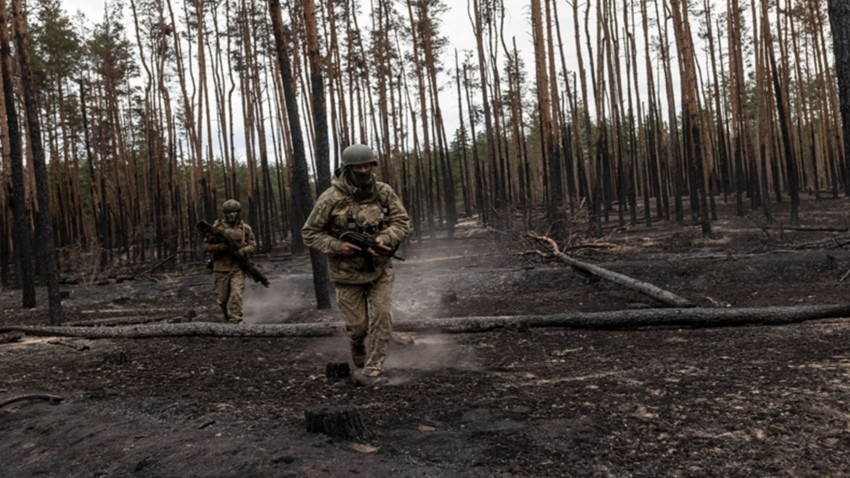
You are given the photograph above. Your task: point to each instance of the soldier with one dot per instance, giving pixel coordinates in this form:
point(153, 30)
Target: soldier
point(358, 202)
point(228, 276)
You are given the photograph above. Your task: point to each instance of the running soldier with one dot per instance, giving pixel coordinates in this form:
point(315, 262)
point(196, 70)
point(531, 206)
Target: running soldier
point(358, 203)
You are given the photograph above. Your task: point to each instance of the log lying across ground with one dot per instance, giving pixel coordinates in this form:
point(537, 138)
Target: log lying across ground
point(664, 296)
point(184, 329)
point(642, 318)
point(621, 319)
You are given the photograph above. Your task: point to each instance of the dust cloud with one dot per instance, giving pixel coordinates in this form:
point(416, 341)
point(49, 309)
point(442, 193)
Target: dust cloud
point(428, 352)
point(422, 290)
point(287, 295)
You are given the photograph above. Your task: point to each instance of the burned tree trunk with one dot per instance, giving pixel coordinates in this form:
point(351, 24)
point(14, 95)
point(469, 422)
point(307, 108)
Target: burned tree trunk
point(317, 97)
point(22, 244)
point(47, 256)
point(839, 16)
point(302, 200)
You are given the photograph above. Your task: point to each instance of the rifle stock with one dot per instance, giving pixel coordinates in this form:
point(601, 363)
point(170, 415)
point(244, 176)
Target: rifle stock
point(245, 264)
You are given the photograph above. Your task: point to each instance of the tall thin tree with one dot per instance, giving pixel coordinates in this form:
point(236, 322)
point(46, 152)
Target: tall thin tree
point(302, 200)
point(22, 243)
point(47, 256)
point(839, 18)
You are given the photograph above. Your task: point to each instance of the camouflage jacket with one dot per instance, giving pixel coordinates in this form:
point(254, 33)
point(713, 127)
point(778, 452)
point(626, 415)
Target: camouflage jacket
point(222, 259)
point(374, 212)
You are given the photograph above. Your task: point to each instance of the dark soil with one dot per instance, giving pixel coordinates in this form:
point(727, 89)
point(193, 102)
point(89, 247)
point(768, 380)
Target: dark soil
point(654, 401)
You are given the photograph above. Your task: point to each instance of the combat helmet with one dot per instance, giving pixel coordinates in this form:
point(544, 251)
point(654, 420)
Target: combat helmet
point(358, 154)
point(231, 205)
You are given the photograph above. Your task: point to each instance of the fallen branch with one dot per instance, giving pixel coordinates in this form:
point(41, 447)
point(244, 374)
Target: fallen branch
point(77, 347)
point(620, 319)
point(645, 288)
point(52, 399)
point(593, 245)
point(159, 264)
point(829, 243)
point(813, 229)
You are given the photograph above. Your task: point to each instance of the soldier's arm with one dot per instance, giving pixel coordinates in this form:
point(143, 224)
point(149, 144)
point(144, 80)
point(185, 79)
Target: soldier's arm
point(213, 243)
point(313, 232)
point(398, 223)
point(250, 242)
point(214, 247)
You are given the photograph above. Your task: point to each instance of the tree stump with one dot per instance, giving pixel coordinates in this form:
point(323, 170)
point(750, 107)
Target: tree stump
point(337, 370)
point(338, 422)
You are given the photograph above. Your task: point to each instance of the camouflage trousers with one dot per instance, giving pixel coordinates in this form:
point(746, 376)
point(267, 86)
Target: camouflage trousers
point(228, 287)
point(367, 311)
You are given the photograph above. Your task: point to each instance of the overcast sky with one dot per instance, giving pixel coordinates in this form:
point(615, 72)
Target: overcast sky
point(455, 24)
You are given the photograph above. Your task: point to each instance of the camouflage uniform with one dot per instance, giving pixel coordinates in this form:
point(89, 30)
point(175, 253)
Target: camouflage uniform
point(363, 282)
point(228, 277)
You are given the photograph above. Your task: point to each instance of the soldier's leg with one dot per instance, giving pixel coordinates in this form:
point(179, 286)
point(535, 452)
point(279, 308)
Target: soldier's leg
point(380, 323)
point(234, 301)
point(221, 288)
point(351, 300)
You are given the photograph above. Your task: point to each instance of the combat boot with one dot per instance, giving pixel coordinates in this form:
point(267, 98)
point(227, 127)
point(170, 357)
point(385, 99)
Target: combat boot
point(358, 355)
point(361, 380)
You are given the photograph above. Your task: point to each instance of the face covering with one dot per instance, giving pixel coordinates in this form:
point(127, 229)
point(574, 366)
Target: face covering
point(231, 218)
point(361, 180)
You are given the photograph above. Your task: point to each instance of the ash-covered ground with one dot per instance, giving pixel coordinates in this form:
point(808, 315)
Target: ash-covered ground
point(751, 400)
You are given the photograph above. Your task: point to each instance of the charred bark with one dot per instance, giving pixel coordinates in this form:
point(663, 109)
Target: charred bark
point(22, 245)
point(839, 17)
point(302, 200)
point(339, 422)
point(47, 255)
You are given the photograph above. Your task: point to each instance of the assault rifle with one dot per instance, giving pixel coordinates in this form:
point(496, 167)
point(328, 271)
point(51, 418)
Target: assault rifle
point(366, 244)
point(246, 264)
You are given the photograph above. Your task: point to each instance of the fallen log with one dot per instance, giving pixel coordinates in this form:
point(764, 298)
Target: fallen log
point(638, 318)
point(619, 319)
point(183, 329)
point(645, 288)
point(126, 320)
